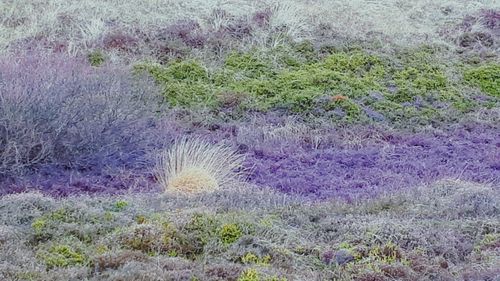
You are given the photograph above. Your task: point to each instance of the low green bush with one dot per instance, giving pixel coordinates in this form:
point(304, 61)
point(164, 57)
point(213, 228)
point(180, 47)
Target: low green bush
point(410, 86)
point(230, 233)
point(96, 58)
point(62, 255)
point(486, 77)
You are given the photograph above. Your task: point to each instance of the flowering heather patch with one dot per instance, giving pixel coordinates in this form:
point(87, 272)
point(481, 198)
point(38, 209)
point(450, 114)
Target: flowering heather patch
point(487, 18)
point(73, 153)
point(262, 18)
point(297, 158)
point(396, 162)
point(327, 161)
point(60, 182)
point(188, 31)
point(491, 19)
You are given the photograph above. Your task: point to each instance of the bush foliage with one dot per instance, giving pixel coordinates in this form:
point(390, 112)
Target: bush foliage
point(345, 85)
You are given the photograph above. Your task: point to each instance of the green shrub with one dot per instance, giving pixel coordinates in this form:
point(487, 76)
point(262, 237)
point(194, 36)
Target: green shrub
point(158, 236)
point(253, 275)
point(230, 233)
point(251, 258)
point(348, 107)
point(140, 219)
point(61, 255)
point(486, 77)
point(249, 65)
point(96, 58)
point(419, 80)
point(297, 89)
point(249, 275)
point(488, 242)
point(120, 205)
point(38, 225)
point(355, 63)
point(185, 83)
point(47, 225)
point(202, 228)
point(28, 275)
point(62, 215)
point(305, 49)
point(143, 237)
point(190, 71)
point(267, 81)
point(75, 223)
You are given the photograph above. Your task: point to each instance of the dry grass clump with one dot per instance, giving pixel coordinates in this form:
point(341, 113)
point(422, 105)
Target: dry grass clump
point(194, 166)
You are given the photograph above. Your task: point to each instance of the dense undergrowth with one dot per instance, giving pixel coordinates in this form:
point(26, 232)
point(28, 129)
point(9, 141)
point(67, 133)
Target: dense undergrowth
point(362, 148)
point(58, 109)
point(67, 127)
point(244, 235)
point(351, 86)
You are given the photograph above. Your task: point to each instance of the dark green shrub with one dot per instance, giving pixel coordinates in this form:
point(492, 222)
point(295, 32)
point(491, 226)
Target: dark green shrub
point(307, 50)
point(69, 222)
point(190, 71)
point(201, 228)
point(355, 63)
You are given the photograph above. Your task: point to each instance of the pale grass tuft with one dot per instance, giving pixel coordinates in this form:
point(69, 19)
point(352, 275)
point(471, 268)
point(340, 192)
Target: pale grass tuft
point(191, 180)
point(193, 166)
